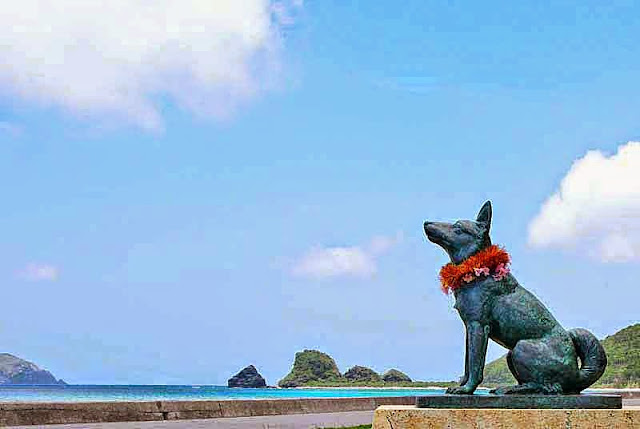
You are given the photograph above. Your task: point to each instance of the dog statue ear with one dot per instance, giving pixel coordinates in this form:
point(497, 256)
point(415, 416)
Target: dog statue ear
point(484, 216)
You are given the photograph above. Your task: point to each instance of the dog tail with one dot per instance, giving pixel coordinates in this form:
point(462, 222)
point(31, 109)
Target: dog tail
point(592, 357)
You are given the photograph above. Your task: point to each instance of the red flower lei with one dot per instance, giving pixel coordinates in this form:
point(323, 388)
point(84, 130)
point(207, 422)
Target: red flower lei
point(491, 261)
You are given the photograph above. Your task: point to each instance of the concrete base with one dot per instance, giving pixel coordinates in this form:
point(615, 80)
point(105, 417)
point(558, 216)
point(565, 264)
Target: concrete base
point(410, 417)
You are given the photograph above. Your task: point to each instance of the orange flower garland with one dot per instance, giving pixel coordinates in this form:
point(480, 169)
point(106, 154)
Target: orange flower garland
point(493, 259)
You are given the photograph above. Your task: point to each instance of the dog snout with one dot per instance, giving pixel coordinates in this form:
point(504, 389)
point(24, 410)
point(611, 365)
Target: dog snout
point(429, 228)
point(436, 232)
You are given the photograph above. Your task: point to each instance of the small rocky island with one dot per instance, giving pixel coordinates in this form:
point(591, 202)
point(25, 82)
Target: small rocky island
point(395, 376)
point(362, 374)
point(14, 370)
point(314, 368)
point(248, 377)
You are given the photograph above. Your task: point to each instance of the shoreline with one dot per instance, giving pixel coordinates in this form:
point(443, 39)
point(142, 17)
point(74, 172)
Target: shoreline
point(373, 387)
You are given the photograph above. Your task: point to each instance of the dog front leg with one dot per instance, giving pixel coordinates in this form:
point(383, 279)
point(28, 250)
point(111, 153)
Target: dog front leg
point(476, 351)
point(465, 378)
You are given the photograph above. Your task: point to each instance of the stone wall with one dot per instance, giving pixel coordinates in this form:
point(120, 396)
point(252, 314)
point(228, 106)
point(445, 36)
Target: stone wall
point(18, 414)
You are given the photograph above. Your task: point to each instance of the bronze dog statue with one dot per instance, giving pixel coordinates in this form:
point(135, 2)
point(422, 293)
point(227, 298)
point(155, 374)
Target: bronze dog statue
point(543, 356)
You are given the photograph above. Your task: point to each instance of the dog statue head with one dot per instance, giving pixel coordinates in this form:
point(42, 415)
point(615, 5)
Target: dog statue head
point(463, 238)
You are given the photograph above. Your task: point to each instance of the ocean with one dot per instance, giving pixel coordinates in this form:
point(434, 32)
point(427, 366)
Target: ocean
point(88, 393)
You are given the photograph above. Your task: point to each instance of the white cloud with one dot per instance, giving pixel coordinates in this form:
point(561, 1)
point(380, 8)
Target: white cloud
point(597, 207)
point(336, 261)
point(357, 261)
point(381, 243)
point(117, 57)
point(39, 272)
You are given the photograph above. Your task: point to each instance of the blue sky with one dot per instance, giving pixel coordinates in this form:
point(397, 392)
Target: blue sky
point(258, 185)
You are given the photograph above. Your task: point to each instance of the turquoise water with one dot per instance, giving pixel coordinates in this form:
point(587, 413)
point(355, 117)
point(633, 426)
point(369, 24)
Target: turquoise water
point(78, 393)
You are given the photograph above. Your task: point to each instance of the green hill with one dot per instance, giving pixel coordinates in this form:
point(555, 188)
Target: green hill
point(623, 368)
point(311, 366)
point(497, 372)
point(623, 355)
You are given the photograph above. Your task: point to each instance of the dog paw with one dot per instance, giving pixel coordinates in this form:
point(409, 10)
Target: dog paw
point(460, 390)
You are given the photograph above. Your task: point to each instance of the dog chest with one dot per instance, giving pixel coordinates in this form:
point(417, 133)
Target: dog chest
point(474, 302)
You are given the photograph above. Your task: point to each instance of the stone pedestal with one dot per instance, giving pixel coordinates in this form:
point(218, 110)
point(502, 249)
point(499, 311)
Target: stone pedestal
point(564, 402)
point(411, 417)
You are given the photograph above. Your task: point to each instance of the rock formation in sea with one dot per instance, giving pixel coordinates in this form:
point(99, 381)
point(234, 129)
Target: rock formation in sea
point(395, 376)
point(311, 366)
point(14, 370)
point(248, 377)
point(362, 374)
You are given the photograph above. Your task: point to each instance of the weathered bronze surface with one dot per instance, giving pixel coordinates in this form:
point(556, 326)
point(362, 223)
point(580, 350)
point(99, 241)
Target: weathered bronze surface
point(543, 356)
point(520, 401)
